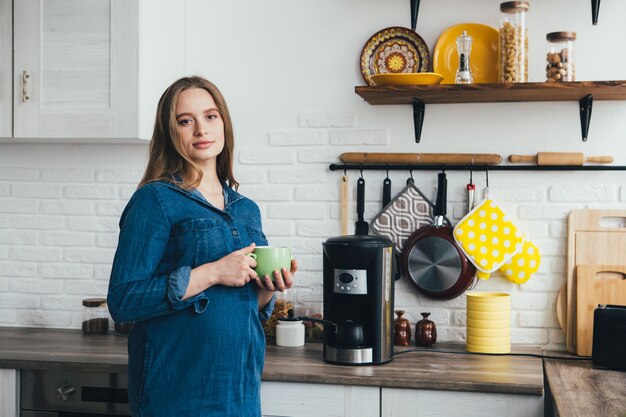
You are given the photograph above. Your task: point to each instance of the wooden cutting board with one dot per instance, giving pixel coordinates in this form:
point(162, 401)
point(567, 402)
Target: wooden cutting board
point(589, 243)
point(596, 284)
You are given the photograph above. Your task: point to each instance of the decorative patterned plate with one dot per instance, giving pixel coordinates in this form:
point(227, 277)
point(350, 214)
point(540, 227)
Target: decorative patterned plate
point(394, 50)
point(413, 78)
point(483, 56)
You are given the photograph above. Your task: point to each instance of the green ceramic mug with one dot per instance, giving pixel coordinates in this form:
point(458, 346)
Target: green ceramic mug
point(270, 259)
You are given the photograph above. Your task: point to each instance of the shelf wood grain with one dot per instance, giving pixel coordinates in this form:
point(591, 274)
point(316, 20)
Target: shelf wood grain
point(493, 93)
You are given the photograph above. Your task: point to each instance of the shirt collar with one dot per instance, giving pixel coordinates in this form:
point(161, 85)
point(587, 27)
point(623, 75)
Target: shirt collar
point(230, 196)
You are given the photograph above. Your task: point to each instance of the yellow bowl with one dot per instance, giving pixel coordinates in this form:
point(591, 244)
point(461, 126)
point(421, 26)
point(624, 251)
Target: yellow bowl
point(488, 341)
point(479, 332)
point(407, 78)
point(488, 297)
point(489, 315)
point(505, 348)
point(489, 324)
point(489, 307)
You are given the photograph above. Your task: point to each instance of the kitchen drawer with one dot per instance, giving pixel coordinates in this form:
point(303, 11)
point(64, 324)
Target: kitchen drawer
point(8, 392)
point(428, 403)
point(290, 399)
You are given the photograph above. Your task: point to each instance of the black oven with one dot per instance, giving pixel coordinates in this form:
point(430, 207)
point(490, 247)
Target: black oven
point(53, 393)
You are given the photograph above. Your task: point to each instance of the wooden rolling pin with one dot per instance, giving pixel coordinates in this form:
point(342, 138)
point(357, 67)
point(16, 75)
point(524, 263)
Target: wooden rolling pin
point(560, 158)
point(420, 158)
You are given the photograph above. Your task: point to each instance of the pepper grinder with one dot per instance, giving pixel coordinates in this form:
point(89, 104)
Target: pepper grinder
point(402, 330)
point(464, 47)
point(425, 332)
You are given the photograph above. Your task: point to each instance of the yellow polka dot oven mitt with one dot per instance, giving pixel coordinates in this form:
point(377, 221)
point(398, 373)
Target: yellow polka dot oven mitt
point(523, 264)
point(488, 238)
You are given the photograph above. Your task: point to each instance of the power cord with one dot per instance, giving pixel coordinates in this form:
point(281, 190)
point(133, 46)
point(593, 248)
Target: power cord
point(532, 355)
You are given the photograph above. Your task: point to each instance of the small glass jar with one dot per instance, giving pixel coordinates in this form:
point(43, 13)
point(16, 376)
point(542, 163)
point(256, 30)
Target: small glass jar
point(513, 57)
point(284, 302)
point(95, 316)
point(560, 57)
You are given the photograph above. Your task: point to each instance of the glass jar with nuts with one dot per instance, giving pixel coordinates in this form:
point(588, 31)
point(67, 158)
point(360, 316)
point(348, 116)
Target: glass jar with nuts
point(513, 57)
point(561, 66)
point(284, 303)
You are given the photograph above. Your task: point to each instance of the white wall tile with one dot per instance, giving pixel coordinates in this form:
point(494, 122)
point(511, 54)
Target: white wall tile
point(60, 204)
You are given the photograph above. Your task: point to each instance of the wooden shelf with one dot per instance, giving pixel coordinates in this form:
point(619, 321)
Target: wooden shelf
point(493, 93)
point(419, 95)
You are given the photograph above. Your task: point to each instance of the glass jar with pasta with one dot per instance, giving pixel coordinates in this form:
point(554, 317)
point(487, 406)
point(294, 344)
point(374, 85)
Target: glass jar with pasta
point(513, 57)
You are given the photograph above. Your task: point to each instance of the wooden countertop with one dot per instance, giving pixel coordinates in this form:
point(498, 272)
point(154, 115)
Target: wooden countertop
point(414, 370)
point(34, 348)
point(26, 348)
point(579, 390)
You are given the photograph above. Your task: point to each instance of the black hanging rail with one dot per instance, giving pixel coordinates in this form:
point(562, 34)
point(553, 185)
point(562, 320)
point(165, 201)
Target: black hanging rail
point(444, 167)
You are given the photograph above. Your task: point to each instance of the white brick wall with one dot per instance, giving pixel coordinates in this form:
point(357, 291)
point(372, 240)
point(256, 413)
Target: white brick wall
point(56, 226)
point(60, 204)
point(59, 226)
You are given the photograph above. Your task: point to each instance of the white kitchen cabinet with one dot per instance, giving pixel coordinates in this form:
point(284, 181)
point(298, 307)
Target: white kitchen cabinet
point(8, 393)
point(291, 399)
point(75, 69)
point(430, 403)
point(6, 69)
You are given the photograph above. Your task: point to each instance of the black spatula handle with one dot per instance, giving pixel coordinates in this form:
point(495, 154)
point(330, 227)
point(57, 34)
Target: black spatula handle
point(360, 198)
point(442, 194)
point(386, 192)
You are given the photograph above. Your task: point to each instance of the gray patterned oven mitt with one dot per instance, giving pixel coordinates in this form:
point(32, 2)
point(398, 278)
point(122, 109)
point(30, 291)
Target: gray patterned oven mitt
point(406, 213)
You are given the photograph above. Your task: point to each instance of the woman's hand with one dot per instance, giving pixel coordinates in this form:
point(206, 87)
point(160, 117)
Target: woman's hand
point(233, 270)
point(282, 281)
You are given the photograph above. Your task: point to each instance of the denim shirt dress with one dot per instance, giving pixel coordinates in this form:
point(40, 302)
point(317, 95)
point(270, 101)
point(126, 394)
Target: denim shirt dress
point(202, 356)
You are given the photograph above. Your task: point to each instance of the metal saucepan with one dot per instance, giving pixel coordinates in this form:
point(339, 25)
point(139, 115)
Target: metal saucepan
point(431, 259)
point(347, 332)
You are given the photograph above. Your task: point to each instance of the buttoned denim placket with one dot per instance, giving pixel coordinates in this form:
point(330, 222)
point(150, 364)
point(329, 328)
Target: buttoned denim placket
point(233, 197)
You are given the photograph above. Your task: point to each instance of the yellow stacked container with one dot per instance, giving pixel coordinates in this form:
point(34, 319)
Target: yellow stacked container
point(488, 322)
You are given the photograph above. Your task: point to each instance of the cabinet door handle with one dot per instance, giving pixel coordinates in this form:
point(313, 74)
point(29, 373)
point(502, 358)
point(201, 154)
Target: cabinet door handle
point(25, 79)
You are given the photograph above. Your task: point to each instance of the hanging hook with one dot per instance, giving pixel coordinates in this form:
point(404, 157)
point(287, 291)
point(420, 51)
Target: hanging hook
point(361, 169)
point(387, 169)
point(471, 173)
point(487, 176)
point(345, 171)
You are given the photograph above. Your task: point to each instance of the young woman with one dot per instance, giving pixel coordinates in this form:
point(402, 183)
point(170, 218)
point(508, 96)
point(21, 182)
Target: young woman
point(181, 271)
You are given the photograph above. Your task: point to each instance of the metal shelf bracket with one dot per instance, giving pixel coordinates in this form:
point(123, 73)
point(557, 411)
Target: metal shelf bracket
point(415, 8)
point(595, 11)
point(418, 118)
point(586, 105)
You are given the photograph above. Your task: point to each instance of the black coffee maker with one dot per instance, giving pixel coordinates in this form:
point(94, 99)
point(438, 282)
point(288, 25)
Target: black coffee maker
point(359, 275)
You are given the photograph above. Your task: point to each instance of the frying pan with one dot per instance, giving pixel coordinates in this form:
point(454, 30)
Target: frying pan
point(431, 259)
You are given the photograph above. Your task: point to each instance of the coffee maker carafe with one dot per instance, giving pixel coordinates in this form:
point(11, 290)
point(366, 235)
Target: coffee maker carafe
point(359, 299)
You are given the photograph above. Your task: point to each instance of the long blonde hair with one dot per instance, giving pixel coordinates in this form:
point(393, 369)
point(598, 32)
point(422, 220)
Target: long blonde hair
point(168, 158)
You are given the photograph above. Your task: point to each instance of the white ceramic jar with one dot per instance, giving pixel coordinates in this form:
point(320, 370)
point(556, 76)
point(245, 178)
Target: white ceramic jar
point(289, 332)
